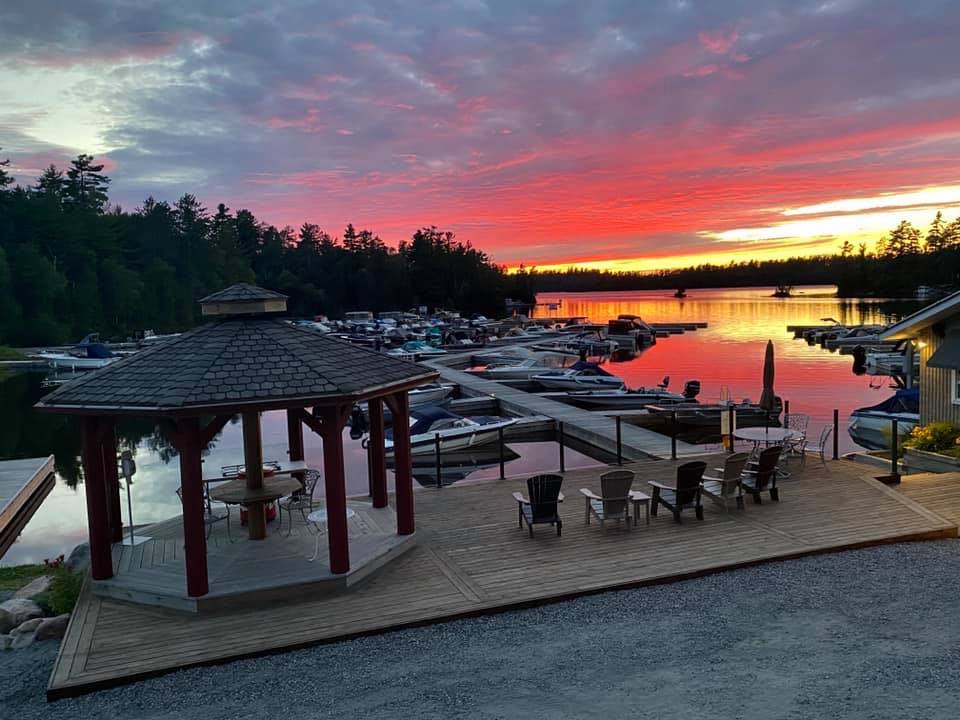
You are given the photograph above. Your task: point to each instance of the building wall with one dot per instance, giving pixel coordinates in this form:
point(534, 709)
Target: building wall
point(936, 392)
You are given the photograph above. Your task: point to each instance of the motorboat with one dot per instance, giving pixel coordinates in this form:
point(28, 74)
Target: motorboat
point(417, 348)
point(635, 399)
point(748, 414)
point(863, 335)
point(821, 335)
point(631, 333)
point(151, 338)
point(456, 465)
point(429, 394)
point(581, 375)
point(456, 431)
point(521, 370)
point(85, 356)
point(872, 426)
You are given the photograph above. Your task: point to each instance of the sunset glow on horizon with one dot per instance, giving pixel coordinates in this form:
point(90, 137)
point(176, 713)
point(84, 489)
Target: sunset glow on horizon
point(612, 135)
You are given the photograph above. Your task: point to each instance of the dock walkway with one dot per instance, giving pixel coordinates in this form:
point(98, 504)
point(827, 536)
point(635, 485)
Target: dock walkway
point(472, 559)
point(23, 486)
point(595, 429)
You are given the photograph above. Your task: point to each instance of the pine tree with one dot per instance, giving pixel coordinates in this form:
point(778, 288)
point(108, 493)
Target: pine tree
point(5, 177)
point(86, 186)
point(935, 240)
point(51, 184)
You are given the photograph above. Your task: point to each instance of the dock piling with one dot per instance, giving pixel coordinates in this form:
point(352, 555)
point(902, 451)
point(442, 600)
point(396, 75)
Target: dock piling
point(436, 441)
point(503, 474)
point(563, 463)
point(836, 434)
point(894, 451)
point(673, 436)
point(619, 442)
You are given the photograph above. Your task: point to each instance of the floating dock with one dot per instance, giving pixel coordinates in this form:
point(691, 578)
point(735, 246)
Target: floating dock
point(23, 486)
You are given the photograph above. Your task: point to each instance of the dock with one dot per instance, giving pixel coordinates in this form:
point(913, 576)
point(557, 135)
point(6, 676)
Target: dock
point(596, 429)
point(471, 559)
point(23, 486)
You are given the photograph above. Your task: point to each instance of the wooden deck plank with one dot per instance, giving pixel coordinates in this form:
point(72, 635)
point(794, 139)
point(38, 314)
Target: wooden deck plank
point(472, 559)
point(23, 486)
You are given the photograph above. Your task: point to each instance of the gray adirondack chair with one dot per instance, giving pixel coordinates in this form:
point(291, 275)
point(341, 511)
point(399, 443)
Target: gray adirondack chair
point(543, 504)
point(685, 493)
point(613, 502)
point(723, 487)
point(761, 476)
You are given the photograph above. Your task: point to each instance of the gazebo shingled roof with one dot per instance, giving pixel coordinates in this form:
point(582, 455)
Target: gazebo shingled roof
point(242, 292)
point(238, 360)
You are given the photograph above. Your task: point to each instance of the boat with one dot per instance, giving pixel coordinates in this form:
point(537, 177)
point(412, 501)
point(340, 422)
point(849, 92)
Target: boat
point(429, 394)
point(417, 348)
point(889, 363)
point(783, 291)
point(581, 375)
point(456, 431)
point(680, 293)
point(862, 335)
point(521, 370)
point(630, 332)
point(636, 399)
point(708, 415)
point(822, 334)
point(456, 465)
point(85, 356)
point(151, 338)
point(872, 426)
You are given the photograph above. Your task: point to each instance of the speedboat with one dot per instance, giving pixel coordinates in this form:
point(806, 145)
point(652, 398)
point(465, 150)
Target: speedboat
point(689, 414)
point(872, 426)
point(630, 332)
point(88, 356)
point(417, 348)
point(429, 394)
point(863, 335)
point(581, 375)
point(636, 399)
point(522, 370)
point(456, 432)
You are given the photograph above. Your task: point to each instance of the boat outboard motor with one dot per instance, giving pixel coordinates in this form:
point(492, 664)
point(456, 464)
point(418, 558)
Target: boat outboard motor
point(691, 388)
point(358, 423)
point(665, 383)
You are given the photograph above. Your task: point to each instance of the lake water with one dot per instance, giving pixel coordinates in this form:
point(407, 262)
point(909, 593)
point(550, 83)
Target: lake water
point(727, 353)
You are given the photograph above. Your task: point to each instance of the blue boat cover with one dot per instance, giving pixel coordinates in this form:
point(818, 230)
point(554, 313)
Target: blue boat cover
point(98, 351)
point(589, 366)
point(906, 400)
point(426, 416)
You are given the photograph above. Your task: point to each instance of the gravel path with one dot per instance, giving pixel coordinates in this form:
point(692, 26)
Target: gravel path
point(865, 634)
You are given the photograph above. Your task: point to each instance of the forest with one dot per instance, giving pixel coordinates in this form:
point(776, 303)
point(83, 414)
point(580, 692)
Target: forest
point(896, 264)
point(72, 263)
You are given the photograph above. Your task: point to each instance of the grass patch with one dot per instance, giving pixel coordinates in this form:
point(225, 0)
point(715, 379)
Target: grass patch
point(14, 578)
point(64, 591)
point(9, 353)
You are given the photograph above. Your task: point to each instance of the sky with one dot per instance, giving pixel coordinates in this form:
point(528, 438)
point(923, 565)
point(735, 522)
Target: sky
point(623, 134)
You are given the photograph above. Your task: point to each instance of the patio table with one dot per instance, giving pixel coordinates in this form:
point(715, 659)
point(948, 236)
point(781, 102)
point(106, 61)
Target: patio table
point(638, 498)
point(766, 436)
point(236, 492)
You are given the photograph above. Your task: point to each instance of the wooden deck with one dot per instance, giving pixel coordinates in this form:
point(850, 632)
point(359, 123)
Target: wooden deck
point(939, 492)
point(596, 429)
point(472, 559)
point(23, 486)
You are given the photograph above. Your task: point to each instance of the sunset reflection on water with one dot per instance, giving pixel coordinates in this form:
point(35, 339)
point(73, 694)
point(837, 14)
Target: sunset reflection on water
point(729, 352)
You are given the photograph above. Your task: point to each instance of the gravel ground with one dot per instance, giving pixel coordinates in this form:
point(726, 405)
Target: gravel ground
point(865, 634)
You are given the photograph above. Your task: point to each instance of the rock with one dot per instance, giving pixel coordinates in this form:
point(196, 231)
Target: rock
point(34, 587)
point(53, 628)
point(21, 641)
point(17, 611)
point(29, 626)
point(5, 642)
point(79, 559)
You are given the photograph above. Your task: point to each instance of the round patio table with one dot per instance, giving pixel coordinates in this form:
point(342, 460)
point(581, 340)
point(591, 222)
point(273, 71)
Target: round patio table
point(766, 436)
point(236, 492)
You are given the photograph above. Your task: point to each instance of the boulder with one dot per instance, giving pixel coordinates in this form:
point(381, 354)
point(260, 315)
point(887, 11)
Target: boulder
point(30, 626)
point(5, 642)
point(21, 640)
point(34, 587)
point(17, 611)
point(53, 628)
point(79, 559)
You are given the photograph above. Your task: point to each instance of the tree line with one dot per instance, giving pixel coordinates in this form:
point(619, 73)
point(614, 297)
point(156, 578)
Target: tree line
point(897, 263)
point(72, 263)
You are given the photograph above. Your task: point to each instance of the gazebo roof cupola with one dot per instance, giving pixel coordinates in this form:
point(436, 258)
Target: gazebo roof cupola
point(243, 299)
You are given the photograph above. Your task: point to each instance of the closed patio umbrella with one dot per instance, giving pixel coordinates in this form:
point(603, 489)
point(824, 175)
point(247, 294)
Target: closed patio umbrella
point(767, 398)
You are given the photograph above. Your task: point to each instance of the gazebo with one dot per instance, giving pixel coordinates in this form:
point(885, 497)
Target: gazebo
point(246, 361)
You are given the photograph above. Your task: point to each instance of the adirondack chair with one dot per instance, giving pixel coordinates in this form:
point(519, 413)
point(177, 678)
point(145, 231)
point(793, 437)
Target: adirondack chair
point(613, 502)
point(762, 475)
point(724, 487)
point(543, 504)
point(686, 492)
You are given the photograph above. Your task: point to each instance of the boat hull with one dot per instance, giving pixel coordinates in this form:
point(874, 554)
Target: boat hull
point(69, 362)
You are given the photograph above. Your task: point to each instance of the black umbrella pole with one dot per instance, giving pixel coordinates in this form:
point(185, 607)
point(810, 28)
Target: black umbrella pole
point(894, 451)
point(619, 443)
point(436, 445)
point(836, 434)
point(502, 468)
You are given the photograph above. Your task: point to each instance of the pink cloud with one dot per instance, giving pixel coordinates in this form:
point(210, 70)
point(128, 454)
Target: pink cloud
point(718, 41)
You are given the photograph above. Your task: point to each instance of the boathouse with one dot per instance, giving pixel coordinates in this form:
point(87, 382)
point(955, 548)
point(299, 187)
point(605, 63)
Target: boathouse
point(934, 333)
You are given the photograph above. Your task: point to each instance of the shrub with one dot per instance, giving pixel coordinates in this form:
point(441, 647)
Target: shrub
point(64, 591)
point(942, 437)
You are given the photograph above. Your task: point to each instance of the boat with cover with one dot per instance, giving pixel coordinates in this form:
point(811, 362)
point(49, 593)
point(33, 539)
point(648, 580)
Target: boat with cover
point(418, 348)
point(88, 354)
point(708, 415)
point(581, 375)
point(872, 426)
point(456, 431)
point(429, 394)
point(636, 399)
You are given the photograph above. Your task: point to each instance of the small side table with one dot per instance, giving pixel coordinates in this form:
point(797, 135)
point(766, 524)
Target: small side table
point(638, 498)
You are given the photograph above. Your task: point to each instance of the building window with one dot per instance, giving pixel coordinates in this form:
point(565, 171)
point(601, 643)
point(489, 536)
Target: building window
point(955, 387)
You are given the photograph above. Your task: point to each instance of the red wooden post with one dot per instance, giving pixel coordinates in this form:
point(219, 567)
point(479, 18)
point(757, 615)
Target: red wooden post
point(194, 529)
point(253, 466)
point(294, 435)
point(378, 460)
point(336, 490)
point(98, 520)
point(112, 476)
point(402, 469)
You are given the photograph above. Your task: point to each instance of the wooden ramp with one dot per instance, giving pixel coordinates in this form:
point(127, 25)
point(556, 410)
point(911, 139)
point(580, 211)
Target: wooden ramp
point(597, 429)
point(23, 486)
point(472, 559)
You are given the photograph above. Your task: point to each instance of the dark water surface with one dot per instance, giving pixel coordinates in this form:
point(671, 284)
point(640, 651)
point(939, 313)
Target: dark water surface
point(729, 352)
